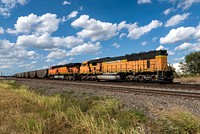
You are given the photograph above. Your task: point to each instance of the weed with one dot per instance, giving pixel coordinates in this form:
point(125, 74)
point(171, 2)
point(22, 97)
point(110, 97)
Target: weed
point(180, 121)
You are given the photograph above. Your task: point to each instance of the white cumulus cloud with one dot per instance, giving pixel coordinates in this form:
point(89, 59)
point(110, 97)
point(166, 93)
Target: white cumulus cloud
point(73, 14)
point(43, 41)
point(189, 47)
point(33, 24)
point(183, 46)
point(94, 29)
point(47, 42)
point(12, 54)
point(59, 53)
point(179, 34)
point(7, 5)
point(135, 32)
point(176, 19)
point(86, 48)
point(161, 48)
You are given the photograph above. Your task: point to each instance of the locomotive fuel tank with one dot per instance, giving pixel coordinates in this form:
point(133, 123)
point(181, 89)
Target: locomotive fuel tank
point(111, 77)
point(59, 76)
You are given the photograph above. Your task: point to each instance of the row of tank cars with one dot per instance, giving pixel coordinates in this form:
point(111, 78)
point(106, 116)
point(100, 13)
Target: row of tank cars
point(144, 67)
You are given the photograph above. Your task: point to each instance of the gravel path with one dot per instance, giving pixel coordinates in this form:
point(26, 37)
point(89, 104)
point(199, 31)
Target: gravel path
point(152, 105)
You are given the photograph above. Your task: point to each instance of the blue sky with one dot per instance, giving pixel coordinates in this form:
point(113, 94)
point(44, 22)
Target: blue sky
point(37, 34)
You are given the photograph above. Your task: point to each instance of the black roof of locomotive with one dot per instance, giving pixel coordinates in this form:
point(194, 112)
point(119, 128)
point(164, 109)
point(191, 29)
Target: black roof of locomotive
point(67, 65)
point(132, 57)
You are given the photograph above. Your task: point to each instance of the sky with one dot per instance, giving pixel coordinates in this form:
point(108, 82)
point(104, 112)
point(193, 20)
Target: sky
point(36, 34)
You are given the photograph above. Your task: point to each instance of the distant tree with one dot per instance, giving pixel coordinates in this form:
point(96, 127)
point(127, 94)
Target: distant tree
point(183, 68)
point(192, 63)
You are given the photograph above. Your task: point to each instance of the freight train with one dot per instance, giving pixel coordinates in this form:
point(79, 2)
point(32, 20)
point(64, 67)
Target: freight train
point(141, 67)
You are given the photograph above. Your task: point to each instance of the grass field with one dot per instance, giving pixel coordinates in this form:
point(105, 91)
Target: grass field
point(188, 80)
point(23, 111)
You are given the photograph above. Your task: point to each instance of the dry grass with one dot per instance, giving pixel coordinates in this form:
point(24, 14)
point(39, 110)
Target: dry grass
point(23, 111)
point(178, 121)
point(26, 112)
point(188, 80)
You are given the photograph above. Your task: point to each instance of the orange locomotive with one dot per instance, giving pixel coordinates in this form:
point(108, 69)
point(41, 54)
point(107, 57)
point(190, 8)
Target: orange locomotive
point(145, 66)
point(69, 71)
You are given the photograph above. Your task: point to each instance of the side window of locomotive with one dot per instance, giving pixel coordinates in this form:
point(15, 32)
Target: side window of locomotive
point(148, 63)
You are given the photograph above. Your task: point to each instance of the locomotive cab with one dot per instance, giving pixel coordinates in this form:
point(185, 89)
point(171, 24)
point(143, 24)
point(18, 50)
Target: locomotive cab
point(164, 75)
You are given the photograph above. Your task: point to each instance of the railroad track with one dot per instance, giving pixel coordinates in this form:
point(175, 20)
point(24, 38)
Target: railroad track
point(163, 92)
point(126, 88)
point(152, 85)
point(133, 89)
